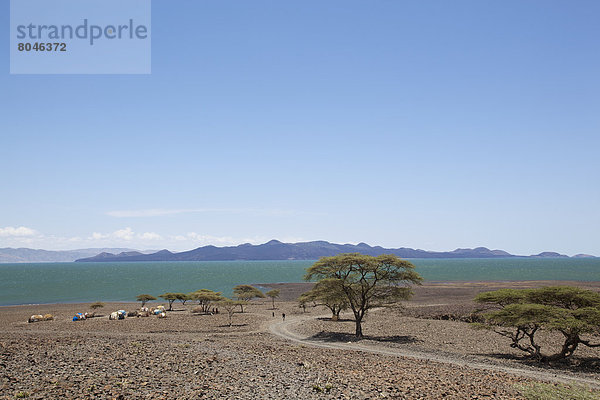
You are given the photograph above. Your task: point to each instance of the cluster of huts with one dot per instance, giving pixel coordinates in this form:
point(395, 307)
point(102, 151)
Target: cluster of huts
point(159, 311)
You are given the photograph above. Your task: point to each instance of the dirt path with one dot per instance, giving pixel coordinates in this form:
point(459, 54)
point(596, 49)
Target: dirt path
point(284, 329)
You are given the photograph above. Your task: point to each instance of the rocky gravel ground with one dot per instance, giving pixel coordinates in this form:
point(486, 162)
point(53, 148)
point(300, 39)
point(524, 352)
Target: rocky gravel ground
point(421, 329)
point(160, 368)
point(188, 356)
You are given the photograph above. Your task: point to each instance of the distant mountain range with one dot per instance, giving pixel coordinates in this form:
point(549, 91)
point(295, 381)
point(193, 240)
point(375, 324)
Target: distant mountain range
point(24, 255)
point(273, 250)
point(276, 250)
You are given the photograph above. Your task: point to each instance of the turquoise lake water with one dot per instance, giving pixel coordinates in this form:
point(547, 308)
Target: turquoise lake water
point(82, 282)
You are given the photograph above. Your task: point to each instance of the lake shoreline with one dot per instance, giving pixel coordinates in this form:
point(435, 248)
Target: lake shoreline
point(463, 290)
point(447, 290)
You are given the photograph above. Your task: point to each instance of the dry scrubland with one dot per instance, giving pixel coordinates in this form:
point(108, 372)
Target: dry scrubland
point(191, 356)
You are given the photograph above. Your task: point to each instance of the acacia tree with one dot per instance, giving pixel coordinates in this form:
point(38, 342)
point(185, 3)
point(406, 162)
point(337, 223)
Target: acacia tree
point(229, 306)
point(245, 293)
point(183, 297)
point(170, 297)
point(520, 313)
point(367, 281)
point(96, 305)
point(144, 298)
point(205, 298)
point(327, 292)
point(273, 294)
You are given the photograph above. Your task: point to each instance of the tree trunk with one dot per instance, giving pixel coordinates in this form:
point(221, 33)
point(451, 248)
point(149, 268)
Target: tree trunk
point(334, 316)
point(358, 320)
point(273, 298)
point(568, 348)
point(359, 333)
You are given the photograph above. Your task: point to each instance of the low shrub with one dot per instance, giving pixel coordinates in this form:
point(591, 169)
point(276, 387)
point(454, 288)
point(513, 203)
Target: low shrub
point(547, 391)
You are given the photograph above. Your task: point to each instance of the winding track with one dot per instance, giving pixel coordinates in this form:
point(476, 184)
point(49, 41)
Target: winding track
point(284, 329)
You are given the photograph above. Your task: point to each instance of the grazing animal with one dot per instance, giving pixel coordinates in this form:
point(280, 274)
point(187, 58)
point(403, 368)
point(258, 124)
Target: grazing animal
point(48, 317)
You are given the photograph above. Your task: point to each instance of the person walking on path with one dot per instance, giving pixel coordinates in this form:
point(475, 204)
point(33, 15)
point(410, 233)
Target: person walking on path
point(283, 316)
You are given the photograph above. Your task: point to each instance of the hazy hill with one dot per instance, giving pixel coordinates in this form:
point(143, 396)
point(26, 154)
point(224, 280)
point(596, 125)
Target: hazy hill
point(24, 255)
point(549, 254)
point(583, 256)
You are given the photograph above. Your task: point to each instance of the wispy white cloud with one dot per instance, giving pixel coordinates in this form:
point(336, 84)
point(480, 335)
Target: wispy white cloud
point(150, 236)
point(98, 236)
point(21, 231)
point(125, 234)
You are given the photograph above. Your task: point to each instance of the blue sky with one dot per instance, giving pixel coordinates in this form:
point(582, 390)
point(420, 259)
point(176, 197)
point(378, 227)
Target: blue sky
point(431, 125)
